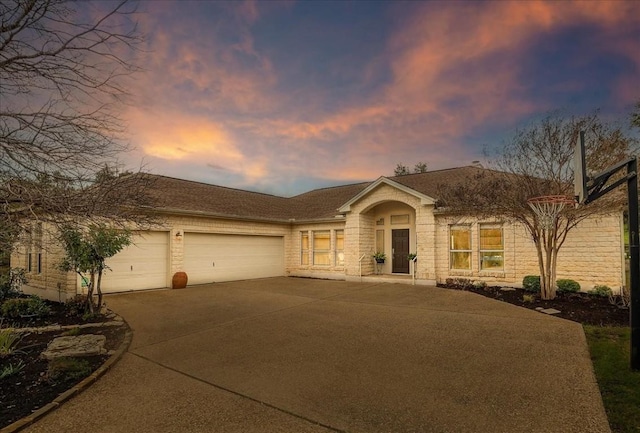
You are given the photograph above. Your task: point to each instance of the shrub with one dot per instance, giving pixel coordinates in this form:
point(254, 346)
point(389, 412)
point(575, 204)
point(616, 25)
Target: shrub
point(11, 283)
point(458, 283)
point(567, 286)
point(479, 284)
point(603, 291)
point(531, 283)
point(11, 369)
point(8, 342)
point(528, 298)
point(76, 306)
point(31, 306)
point(62, 369)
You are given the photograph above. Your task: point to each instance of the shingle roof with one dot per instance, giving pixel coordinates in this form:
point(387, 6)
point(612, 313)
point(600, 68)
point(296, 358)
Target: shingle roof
point(183, 195)
point(429, 183)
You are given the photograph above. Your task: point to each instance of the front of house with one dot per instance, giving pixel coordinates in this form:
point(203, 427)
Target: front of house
point(217, 234)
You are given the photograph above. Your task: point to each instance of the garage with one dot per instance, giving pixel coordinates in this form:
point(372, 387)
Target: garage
point(212, 258)
point(142, 265)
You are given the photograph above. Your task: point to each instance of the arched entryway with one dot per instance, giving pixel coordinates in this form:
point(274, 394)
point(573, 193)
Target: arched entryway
point(394, 234)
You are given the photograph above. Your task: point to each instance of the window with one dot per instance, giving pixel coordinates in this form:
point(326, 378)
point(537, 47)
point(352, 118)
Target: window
point(339, 247)
point(491, 248)
point(39, 269)
point(304, 248)
point(322, 248)
point(29, 262)
point(400, 219)
point(379, 241)
point(460, 247)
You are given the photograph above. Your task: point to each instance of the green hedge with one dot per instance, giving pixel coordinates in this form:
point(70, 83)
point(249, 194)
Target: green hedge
point(603, 291)
point(531, 283)
point(31, 306)
point(567, 286)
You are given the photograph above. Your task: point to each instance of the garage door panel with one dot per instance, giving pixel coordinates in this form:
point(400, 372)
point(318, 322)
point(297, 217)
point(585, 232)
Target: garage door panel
point(218, 257)
point(141, 265)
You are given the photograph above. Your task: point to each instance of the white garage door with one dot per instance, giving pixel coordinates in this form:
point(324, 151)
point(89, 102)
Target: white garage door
point(216, 257)
point(141, 265)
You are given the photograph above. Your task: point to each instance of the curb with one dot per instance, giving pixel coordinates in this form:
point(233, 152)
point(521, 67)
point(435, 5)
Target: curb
point(77, 389)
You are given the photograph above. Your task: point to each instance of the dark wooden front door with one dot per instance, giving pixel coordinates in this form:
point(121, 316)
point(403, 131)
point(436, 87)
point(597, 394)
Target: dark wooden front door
point(400, 245)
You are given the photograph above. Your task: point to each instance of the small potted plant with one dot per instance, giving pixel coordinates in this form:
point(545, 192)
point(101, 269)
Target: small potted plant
point(412, 257)
point(379, 257)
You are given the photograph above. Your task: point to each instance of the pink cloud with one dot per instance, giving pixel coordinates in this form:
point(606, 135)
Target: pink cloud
point(455, 67)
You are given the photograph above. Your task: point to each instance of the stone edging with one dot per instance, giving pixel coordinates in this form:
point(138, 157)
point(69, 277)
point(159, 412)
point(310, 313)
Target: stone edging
point(78, 388)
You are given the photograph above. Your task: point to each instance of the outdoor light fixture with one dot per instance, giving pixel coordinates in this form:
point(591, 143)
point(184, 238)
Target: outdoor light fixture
point(178, 235)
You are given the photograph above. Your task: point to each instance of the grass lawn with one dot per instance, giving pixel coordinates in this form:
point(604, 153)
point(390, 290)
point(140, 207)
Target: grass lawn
point(619, 386)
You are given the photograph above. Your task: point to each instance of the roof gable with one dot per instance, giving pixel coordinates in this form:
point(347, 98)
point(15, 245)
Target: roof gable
point(424, 199)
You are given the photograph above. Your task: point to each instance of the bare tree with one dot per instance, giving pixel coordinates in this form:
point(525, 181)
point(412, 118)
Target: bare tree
point(420, 167)
point(635, 115)
point(403, 170)
point(64, 67)
point(538, 161)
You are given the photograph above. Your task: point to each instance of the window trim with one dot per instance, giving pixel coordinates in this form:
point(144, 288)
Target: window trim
point(490, 226)
point(304, 253)
point(400, 219)
point(460, 227)
point(322, 251)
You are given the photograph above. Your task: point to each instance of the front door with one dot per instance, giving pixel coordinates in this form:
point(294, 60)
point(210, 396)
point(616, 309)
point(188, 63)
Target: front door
point(400, 248)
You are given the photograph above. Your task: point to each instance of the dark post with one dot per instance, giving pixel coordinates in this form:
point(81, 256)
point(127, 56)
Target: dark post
point(634, 266)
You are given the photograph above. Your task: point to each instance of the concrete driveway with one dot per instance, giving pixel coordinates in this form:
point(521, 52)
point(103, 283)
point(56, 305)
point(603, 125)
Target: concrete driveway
point(301, 355)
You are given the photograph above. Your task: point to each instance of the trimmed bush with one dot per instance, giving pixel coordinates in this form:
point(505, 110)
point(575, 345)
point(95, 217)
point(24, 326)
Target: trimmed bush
point(567, 286)
point(459, 283)
point(19, 307)
point(602, 291)
point(479, 284)
point(531, 283)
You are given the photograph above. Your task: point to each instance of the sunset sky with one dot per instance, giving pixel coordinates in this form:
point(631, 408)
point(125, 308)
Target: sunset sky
point(286, 97)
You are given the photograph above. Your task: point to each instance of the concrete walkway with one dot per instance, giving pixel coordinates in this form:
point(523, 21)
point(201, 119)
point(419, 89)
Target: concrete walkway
point(300, 355)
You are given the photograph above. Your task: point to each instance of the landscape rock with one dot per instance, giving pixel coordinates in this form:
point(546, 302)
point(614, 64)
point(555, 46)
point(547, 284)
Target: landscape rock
point(79, 345)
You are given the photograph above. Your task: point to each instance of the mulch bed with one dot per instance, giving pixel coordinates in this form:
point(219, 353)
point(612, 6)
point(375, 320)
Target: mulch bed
point(30, 388)
point(578, 307)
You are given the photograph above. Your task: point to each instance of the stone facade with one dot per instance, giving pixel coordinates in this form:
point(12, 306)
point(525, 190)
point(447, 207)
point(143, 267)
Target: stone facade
point(592, 254)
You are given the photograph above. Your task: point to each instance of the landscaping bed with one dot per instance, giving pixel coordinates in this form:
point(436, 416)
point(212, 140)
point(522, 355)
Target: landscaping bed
point(30, 381)
point(579, 307)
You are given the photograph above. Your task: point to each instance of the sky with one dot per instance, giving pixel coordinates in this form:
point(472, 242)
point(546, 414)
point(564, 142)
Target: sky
point(285, 97)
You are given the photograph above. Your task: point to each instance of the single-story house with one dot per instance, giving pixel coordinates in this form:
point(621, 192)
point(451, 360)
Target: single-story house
point(217, 234)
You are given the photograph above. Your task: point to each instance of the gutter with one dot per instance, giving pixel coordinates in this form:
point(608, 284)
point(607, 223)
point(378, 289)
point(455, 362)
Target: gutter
point(289, 221)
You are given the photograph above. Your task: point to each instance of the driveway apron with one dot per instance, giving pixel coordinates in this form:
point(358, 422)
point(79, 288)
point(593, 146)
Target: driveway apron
point(302, 355)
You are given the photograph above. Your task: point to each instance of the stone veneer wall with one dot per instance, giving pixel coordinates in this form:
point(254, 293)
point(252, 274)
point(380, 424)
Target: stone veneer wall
point(591, 255)
point(293, 263)
point(50, 283)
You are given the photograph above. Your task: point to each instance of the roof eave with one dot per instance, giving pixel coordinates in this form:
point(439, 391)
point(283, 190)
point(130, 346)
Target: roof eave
point(175, 211)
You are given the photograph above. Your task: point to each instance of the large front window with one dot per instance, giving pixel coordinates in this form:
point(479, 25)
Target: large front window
point(322, 248)
point(491, 248)
point(460, 247)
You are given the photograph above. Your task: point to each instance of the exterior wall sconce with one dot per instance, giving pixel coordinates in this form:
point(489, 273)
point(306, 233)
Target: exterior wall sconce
point(178, 235)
